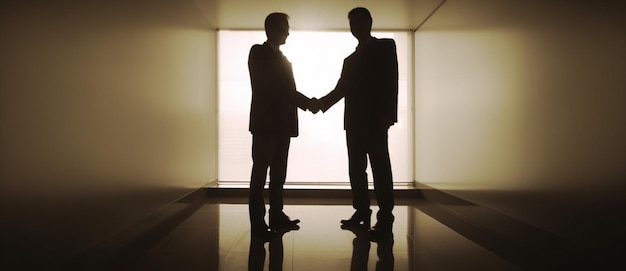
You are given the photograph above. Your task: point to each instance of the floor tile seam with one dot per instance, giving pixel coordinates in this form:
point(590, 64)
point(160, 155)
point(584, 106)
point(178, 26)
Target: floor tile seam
point(529, 237)
point(507, 250)
point(541, 252)
point(232, 245)
point(502, 219)
point(154, 233)
point(292, 254)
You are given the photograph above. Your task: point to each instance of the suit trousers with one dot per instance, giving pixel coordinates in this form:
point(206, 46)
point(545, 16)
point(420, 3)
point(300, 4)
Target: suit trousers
point(268, 151)
point(372, 143)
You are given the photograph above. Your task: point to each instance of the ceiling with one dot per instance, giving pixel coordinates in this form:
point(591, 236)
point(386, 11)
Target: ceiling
point(316, 14)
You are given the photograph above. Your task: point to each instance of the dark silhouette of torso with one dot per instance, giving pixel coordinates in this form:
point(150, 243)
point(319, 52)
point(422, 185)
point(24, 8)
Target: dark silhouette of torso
point(274, 97)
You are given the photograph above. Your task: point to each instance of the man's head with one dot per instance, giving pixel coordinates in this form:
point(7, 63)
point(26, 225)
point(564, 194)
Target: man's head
point(360, 23)
point(277, 28)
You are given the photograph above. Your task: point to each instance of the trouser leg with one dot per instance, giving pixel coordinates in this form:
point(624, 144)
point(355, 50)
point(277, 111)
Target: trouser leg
point(278, 174)
point(357, 164)
point(261, 154)
point(381, 168)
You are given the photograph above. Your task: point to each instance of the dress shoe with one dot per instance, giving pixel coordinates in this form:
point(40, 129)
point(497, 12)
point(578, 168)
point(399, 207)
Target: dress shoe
point(358, 217)
point(281, 221)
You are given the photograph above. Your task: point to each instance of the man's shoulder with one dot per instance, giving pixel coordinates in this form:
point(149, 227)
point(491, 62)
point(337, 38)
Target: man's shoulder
point(350, 57)
point(259, 47)
point(260, 53)
point(385, 42)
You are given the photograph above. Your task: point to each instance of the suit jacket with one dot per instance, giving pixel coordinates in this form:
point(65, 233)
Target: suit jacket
point(274, 96)
point(369, 83)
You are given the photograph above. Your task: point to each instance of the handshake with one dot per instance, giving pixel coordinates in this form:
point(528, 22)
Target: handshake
point(314, 105)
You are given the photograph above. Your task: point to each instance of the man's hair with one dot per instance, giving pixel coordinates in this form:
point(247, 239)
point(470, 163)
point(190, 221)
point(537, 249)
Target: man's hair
point(274, 21)
point(361, 13)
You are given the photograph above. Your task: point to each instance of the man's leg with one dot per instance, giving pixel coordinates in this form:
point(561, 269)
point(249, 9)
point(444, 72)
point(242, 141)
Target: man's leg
point(383, 179)
point(262, 151)
point(278, 173)
point(357, 164)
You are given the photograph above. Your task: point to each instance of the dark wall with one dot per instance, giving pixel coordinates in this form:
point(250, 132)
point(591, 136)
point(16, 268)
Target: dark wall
point(520, 108)
point(107, 113)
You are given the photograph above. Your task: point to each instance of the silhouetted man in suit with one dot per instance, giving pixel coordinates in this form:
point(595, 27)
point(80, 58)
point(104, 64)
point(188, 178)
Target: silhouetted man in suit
point(369, 84)
point(273, 121)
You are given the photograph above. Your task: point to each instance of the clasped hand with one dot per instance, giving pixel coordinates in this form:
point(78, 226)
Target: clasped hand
point(314, 105)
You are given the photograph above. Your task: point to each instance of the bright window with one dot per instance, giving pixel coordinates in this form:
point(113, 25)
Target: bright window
point(318, 155)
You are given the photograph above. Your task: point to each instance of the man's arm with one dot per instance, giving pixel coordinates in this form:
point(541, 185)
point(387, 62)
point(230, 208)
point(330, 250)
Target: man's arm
point(336, 94)
point(261, 74)
point(301, 100)
point(389, 80)
point(270, 78)
point(331, 98)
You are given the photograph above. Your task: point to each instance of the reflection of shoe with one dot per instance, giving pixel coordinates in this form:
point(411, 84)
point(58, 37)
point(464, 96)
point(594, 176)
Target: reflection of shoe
point(355, 228)
point(359, 230)
point(287, 228)
point(382, 229)
point(377, 234)
point(262, 233)
point(358, 217)
point(282, 221)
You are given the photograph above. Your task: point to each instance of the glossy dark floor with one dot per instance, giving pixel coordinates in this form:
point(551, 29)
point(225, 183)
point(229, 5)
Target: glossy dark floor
point(213, 233)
